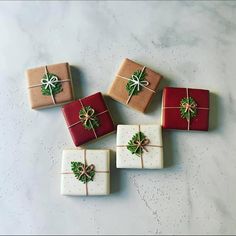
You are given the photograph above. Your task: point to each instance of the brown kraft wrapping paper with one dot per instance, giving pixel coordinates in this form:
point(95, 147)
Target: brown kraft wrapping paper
point(34, 76)
point(118, 88)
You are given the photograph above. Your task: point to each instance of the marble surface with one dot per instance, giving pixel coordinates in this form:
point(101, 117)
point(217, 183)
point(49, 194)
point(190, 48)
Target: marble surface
point(191, 43)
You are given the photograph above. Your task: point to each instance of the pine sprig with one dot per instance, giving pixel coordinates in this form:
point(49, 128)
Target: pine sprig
point(133, 90)
point(132, 146)
point(92, 122)
point(46, 91)
point(184, 112)
point(77, 167)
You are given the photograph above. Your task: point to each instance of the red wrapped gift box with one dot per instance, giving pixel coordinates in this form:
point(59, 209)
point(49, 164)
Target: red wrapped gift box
point(189, 101)
point(97, 110)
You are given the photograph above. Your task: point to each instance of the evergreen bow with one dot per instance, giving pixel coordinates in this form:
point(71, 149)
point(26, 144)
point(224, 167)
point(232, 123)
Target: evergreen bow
point(50, 84)
point(136, 82)
point(88, 118)
point(188, 108)
point(137, 144)
point(83, 172)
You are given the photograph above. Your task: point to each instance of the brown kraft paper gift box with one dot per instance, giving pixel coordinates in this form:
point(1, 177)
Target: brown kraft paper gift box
point(35, 76)
point(141, 100)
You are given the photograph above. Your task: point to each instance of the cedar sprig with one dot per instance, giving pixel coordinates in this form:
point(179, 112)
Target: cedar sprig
point(76, 167)
point(46, 91)
point(132, 146)
point(184, 113)
point(92, 123)
point(133, 90)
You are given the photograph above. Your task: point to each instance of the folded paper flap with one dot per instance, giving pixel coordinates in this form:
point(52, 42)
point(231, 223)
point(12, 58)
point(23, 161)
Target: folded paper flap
point(126, 132)
point(173, 96)
point(96, 101)
point(99, 158)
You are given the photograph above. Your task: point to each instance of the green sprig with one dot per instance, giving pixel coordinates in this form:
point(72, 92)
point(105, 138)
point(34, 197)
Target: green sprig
point(46, 91)
point(77, 168)
point(132, 146)
point(92, 122)
point(133, 90)
point(188, 114)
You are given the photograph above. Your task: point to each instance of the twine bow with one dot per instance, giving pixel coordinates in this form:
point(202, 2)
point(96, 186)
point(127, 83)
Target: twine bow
point(87, 115)
point(88, 118)
point(141, 144)
point(86, 170)
point(189, 107)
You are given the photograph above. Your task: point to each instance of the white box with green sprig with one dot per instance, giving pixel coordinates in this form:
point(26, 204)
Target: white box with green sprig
point(85, 172)
point(139, 147)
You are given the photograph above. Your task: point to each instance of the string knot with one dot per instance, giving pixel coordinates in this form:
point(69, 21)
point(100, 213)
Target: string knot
point(86, 170)
point(88, 114)
point(136, 80)
point(142, 143)
point(189, 107)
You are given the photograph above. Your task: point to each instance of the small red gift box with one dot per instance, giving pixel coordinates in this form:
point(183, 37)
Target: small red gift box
point(185, 109)
point(88, 118)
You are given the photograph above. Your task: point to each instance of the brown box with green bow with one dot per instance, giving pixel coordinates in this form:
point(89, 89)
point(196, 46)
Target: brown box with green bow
point(50, 85)
point(134, 85)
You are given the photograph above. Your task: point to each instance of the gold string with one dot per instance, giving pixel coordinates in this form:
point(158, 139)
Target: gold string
point(95, 134)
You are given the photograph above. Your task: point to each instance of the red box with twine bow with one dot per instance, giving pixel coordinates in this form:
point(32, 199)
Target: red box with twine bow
point(88, 118)
point(185, 109)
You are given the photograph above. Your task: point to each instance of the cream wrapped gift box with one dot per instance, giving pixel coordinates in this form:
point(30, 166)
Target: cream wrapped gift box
point(85, 172)
point(139, 146)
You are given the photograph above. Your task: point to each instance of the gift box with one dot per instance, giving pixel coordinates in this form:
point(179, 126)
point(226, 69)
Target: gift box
point(49, 85)
point(185, 109)
point(139, 146)
point(88, 118)
point(85, 172)
point(134, 85)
